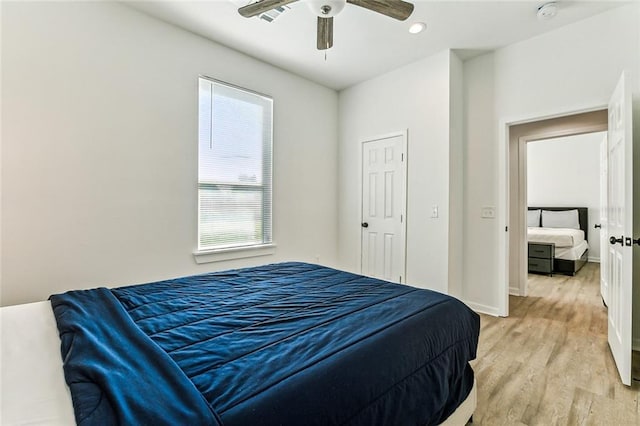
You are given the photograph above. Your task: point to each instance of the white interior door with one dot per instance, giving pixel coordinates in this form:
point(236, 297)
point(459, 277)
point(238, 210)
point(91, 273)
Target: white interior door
point(383, 205)
point(620, 227)
point(604, 233)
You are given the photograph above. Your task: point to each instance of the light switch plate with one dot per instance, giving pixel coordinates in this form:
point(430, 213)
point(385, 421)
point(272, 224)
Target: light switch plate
point(488, 212)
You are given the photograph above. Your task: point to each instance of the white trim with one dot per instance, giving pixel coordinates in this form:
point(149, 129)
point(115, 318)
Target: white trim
point(503, 220)
point(483, 309)
point(503, 187)
point(514, 291)
point(219, 255)
point(593, 259)
point(403, 231)
point(522, 212)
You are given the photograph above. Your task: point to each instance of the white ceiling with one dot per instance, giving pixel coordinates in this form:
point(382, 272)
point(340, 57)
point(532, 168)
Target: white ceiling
point(367, 44)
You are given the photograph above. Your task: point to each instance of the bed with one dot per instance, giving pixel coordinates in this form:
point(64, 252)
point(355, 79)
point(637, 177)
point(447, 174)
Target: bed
point(568, 235)
point(290, 343)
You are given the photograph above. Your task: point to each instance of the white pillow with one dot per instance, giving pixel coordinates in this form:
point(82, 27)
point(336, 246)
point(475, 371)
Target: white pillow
point(562, 219)
point(533, 218)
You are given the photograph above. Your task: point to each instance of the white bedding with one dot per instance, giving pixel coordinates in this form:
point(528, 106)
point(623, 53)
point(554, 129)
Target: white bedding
point(561, 237)
point(572, 253)
point(33, 386)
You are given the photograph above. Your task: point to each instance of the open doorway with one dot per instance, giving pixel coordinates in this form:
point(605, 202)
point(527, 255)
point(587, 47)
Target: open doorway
point(564, 203)
point(519, 136)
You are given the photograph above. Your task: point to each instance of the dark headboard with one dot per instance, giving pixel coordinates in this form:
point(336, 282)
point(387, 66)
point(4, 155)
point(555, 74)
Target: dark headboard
point(583, 215)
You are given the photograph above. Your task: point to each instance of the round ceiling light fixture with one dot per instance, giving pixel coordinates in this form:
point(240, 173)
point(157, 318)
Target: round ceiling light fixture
point(547, 11)
point(417, 27)
point(326, 8)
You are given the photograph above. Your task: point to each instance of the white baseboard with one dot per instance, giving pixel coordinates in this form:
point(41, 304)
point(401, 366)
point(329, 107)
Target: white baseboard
point(593, 259)
point(483, 309)
point(514, 291)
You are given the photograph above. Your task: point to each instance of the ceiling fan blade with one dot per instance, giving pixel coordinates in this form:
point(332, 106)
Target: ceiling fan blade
point(397, 9)
point(261, 6)
point(325, 33)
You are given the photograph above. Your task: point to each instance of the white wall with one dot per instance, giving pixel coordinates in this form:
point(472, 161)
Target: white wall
point(566, 70)
point(480, 186)
point(565, 172)
point(99, 150)
point(414, 97)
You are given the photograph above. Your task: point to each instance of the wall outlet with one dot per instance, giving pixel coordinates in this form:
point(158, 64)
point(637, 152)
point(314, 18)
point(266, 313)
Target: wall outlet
point(488, 213)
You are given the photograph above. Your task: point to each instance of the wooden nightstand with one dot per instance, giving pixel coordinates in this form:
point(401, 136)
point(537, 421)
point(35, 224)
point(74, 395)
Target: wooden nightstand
point(541, 257)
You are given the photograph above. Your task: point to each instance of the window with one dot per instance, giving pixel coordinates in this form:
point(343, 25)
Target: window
point(234, 167)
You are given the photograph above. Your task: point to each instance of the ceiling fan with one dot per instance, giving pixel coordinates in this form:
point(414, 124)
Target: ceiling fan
point(327, 9)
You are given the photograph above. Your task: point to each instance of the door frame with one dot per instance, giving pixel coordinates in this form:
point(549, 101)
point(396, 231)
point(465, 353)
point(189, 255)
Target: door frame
point(404, 134)
point(504, 229)
point(604, 228)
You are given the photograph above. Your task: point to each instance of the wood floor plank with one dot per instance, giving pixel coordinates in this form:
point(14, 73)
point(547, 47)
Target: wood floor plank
point(549, 362)
point(580, 407)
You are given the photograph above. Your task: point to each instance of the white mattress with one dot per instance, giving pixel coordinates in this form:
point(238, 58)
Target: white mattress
point(572, 253)
point(561, 237)
point(33, 386)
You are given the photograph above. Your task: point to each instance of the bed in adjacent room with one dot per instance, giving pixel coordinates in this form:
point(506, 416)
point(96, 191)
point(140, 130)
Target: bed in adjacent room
point(564, 228)
point(290, 343)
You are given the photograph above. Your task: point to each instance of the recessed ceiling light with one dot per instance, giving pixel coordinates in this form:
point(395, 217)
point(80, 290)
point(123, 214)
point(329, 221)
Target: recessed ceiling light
point(547, 11)
point(418, 27)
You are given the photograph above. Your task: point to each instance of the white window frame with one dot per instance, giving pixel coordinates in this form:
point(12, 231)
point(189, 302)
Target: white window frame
point(214, 254)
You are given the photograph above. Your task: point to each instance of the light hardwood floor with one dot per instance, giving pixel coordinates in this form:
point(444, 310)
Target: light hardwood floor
point(548, 363)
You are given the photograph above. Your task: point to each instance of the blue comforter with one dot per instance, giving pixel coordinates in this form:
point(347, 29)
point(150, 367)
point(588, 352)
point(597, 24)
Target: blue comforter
point(283, 344)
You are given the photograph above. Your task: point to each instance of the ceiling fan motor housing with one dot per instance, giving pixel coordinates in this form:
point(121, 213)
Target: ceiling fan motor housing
point(326, 8)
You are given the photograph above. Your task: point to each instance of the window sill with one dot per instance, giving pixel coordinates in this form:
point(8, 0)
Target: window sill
point(208, 256)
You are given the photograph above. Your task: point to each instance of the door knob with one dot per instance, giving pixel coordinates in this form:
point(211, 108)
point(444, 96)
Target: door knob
point(614, 240)
point(365, 225)
point(597, 225)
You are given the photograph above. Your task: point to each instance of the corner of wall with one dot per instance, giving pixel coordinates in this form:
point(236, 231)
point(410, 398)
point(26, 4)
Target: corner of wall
point(456, 176)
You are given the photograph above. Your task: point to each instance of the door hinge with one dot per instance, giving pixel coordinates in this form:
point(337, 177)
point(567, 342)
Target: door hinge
point(400, 279)
point(400, 218)
point(506, 229)
point(402, 157)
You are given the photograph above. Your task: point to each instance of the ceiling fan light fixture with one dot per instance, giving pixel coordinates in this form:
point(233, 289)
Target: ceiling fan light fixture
point(326, 8)
point(417, 27)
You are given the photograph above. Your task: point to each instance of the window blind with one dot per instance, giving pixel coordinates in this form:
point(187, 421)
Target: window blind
point(234, 166)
